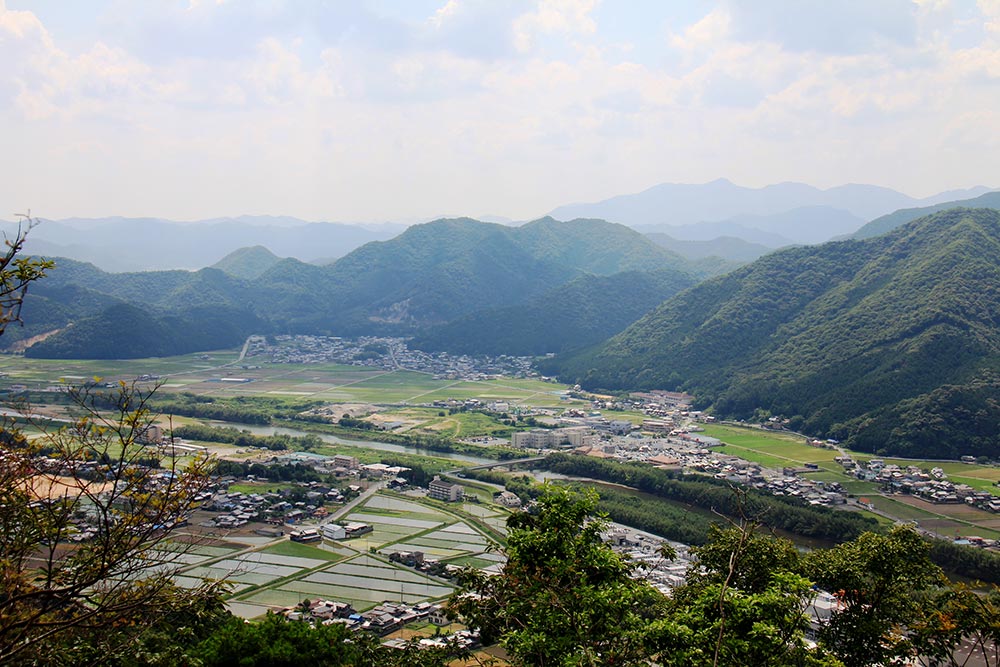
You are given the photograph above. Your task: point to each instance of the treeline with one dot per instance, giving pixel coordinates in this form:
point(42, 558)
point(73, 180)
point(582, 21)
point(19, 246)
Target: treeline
point(432, 443)
point(237, 438)
point(660, 517)
point(711, 494)
point(969, 562)
point(204, 407)
point(282, 472)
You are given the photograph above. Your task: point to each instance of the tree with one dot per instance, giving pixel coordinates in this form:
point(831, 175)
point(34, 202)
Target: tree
point(17, 273)
point(884, 583)
point(960, 626)
point(563, 597)
point(743, 603)
point(87, 527)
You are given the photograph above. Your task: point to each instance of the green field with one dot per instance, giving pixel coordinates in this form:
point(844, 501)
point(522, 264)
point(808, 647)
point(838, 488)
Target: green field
point(770, 449)
point(49, 371)
point(777, 450)
point(299, 550)
point(329, 383)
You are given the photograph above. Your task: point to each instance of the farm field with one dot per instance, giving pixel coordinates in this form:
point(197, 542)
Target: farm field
point(778, 449)
point(768, 448)
point(221, 374)
point(284, 573)
point(266, 574)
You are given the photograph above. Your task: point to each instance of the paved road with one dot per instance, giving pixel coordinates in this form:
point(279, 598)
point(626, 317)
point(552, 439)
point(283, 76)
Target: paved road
point(368, 493)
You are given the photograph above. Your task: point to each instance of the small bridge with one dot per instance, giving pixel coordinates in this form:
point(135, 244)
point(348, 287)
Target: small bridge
point(500, 464)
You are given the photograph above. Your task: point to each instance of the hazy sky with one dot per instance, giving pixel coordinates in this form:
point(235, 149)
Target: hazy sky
point(377, 110)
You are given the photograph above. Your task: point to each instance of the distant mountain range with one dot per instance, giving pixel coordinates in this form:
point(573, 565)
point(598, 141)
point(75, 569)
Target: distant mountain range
point(775, 215)
point(430, 275)
point(147, 244)
point(890, 343)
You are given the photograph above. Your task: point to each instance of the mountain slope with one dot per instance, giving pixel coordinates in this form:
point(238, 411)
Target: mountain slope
point(594, 246)
point(248, 262)
point(892, 220)
point(439, 271)
point(582, 312)
point(724, 247)
point(125, 331)
point(844, 337)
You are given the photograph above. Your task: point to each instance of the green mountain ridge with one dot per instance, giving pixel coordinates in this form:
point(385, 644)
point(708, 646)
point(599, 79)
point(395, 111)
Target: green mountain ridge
point(125, 331)
point(429, 275)
point(846, 338)
point(581, 312)
point(728, 248)
point(248, 263)
point(890, 221)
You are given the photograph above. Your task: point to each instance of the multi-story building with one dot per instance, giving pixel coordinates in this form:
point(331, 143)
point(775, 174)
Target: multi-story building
point(443, 490)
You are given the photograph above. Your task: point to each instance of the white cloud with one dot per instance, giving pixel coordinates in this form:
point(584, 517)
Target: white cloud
point(472, 106)
point(554, 16)
point(991, 14)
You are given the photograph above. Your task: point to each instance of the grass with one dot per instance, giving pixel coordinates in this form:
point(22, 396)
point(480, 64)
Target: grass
point(977, 483)
point(754, 456)
point(290, 382)
point(898, 509)
point(769, 448)
point(299, 550)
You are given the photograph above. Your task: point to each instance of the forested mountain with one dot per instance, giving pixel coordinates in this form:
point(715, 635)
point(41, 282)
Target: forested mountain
point(125, 331)
point(728, 248)
point(890, 343)
point(582, 312)
point(431, 274)
point(892, 220)
point(247, 262)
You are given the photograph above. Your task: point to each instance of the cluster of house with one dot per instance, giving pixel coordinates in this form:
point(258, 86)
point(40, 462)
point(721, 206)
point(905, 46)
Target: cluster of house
point(341, 465)
point(381, 620)
point(932, 486)
point(418, 561)
point(693, 453)
point(392, 354)
point(238, 509)
point(330, 531)
point(52, 477)
point(646, 551)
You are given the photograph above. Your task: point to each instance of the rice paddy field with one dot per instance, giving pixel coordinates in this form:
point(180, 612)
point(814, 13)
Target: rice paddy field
point(268, 574)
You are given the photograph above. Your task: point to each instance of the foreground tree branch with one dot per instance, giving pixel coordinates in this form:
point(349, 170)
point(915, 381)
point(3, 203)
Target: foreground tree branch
point(88, 513)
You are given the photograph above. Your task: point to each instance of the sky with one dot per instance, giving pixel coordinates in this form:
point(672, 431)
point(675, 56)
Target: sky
point(398, 110)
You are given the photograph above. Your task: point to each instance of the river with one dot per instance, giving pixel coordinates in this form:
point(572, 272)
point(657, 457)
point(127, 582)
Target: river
point(256, 429)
